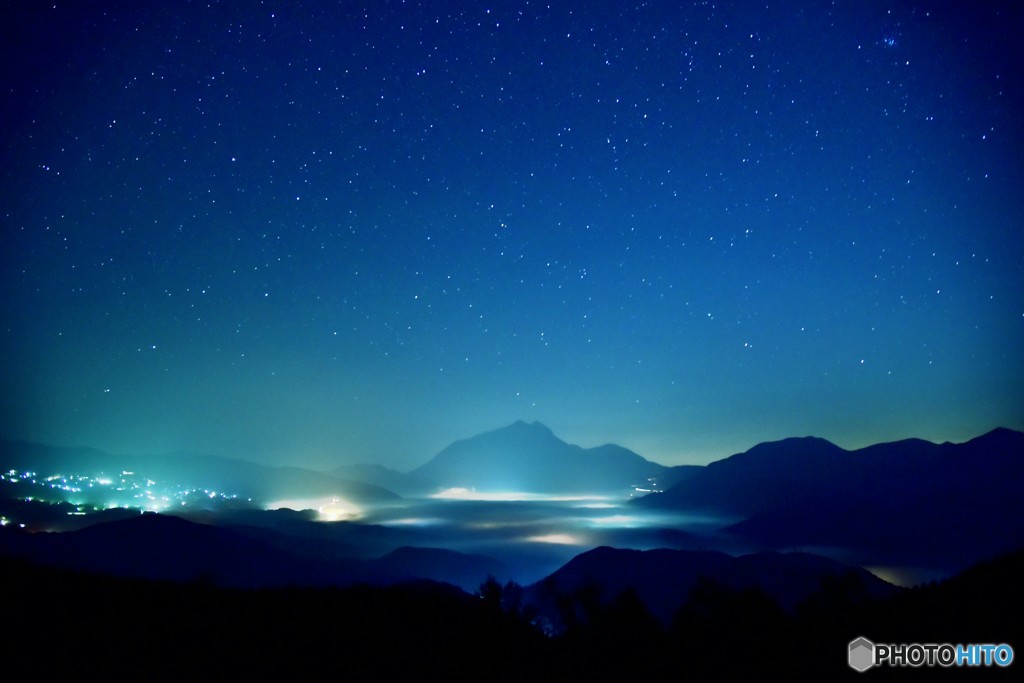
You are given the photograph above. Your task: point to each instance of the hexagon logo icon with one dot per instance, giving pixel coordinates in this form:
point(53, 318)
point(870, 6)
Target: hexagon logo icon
point(862, 654)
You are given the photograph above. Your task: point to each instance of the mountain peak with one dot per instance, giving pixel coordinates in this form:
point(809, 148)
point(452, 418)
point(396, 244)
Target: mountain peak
point(1001, 434)
point(799, 441)
point(534, 426)
point(529, 457)
point(780, 453)
point(1001, 440)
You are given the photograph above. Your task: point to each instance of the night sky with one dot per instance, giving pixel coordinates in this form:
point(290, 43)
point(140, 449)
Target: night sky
point(320, 233)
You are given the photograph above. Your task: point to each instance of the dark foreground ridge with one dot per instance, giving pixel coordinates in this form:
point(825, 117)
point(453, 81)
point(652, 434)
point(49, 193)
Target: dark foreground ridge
point(79, 624)
point(167, 548)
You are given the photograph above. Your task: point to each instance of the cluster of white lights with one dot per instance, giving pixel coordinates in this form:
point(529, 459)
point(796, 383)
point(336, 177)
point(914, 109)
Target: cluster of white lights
point(328, 509)
point(90, 493)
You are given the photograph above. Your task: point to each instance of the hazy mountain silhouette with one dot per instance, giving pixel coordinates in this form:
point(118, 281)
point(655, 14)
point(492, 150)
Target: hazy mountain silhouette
point(386, 478)
point(947, 505)
point(529, 457)
point(262, 483)
point(438, 564)
point(663, 579)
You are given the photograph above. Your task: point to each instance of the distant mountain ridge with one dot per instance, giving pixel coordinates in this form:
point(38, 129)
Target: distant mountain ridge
point(529, 457)
point(809, 469)
point(386, 478)
point(910, 501)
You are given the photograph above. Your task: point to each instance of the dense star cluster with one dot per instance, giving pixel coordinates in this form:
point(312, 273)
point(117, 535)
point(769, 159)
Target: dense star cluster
point(311, 232)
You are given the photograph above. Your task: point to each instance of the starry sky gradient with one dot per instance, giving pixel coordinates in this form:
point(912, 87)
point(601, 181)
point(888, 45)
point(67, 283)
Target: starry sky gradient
point(318, 233)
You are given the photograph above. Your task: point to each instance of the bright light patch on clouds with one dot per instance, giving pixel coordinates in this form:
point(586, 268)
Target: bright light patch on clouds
point(413, 521)
point(557, 539)
point(500, 524)
point(329, 509)
point(627, 521)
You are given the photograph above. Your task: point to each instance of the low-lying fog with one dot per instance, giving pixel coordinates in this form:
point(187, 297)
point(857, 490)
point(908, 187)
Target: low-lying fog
point(530, 534)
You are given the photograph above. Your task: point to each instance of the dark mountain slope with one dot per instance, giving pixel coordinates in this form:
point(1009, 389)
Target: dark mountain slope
point(167, 548)
point(663, 579)
point(908, 502)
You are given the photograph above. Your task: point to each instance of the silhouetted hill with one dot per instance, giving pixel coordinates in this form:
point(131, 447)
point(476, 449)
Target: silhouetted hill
point(984, 603)
point(68, 622)
point(164, 547)
point(386, 478)
point(663, 579)
point(767, 475)
point(437, 564)
point(907, 502)
point(74, 625)
point(529, 457)
point(773, 475)
point(301, 533)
